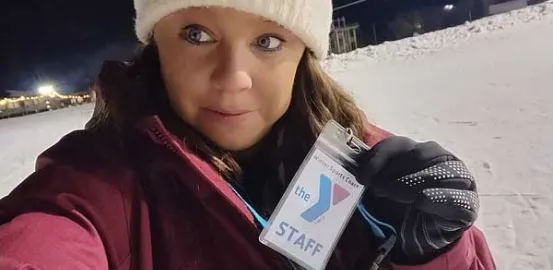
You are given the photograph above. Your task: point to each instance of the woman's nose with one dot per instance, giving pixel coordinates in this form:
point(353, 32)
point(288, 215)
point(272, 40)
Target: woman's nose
point(232, 69)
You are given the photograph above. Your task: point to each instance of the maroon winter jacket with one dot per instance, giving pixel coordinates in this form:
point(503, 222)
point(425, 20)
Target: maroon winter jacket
point(157, 206)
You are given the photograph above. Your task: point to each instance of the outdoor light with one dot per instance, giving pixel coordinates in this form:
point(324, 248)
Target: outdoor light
point(448, 7)
point(46, 90)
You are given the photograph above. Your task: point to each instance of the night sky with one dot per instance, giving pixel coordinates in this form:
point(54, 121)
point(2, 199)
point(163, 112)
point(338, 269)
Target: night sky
point(61, 41)
point(65, 41)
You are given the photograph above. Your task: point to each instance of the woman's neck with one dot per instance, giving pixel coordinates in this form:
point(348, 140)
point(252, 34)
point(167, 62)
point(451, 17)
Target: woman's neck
point(245, 157)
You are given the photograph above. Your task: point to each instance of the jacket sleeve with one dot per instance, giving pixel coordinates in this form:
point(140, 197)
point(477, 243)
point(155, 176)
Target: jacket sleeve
point(61, 217)
point(73, 212)
point(45, 241)
point(471, 252)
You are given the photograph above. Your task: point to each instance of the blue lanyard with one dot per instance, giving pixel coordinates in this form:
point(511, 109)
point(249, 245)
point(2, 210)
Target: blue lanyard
point(375, 224)
point(256, 215)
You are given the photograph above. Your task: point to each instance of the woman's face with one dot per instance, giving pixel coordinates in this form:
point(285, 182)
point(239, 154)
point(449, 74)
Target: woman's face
point(229, 74)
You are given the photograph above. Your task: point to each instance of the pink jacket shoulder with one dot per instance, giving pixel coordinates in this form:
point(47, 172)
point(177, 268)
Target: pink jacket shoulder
point(471, 252)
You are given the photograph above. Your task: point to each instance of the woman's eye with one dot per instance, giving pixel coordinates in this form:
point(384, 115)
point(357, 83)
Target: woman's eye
point(269, 43)
point(196, 35)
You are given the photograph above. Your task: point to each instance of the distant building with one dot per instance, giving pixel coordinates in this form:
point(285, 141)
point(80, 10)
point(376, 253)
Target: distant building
point(28, 102)
point(21, 93)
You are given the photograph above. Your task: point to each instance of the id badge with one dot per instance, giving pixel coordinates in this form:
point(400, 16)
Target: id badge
point(319, 202)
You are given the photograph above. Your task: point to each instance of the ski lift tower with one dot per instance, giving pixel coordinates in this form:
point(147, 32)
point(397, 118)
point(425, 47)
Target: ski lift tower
point(343, 37)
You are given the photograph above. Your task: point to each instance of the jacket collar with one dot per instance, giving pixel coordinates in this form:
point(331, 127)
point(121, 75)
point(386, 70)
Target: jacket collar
point(154, 129)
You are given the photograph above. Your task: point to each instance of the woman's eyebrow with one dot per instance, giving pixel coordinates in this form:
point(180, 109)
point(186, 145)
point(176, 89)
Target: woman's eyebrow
point(265, 20)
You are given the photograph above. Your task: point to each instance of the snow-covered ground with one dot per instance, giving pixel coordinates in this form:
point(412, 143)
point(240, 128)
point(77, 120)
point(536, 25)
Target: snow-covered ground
point(23, 139)
point(485, 90)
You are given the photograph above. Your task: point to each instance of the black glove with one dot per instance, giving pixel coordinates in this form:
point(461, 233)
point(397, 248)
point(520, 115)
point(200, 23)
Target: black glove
point(423, 191)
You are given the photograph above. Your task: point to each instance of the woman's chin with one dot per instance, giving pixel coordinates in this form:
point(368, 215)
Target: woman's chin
point(235, 142)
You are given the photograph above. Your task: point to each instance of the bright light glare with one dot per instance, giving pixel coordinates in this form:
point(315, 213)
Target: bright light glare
point(46, 90)
point(448, 7)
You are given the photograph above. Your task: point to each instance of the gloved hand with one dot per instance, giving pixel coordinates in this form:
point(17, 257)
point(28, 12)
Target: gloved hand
point(423, 191)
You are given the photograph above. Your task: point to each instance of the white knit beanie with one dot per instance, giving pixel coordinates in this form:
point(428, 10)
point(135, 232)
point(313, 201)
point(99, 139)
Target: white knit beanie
point(310, 20)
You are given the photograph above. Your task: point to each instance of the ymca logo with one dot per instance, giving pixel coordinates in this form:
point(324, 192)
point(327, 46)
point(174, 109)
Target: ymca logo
point(330, 194)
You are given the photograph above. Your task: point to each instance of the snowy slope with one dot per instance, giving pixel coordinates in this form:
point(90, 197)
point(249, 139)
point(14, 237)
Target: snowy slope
point(483, 89)
point(23, 139)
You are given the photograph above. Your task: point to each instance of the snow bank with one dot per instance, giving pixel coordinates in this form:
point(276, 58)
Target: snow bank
point(447, 39)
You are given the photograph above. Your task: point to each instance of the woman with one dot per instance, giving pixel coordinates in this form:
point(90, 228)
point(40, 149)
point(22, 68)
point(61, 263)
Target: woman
point(226, 99)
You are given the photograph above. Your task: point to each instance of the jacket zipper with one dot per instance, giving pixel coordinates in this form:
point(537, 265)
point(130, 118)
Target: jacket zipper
point(163, 139)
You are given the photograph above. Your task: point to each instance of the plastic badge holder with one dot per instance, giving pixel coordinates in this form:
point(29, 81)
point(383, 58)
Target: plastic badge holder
point(317, 205)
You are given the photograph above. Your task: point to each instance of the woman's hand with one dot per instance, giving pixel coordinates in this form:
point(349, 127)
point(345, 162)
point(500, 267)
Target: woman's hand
point(423, 191)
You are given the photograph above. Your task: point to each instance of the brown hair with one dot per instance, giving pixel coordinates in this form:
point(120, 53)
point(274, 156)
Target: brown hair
point(128, 91)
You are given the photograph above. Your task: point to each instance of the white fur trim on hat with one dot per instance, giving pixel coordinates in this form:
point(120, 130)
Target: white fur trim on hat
point(310, 20)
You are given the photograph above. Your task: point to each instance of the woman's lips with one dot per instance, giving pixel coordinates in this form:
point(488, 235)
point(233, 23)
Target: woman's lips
point(230, 116)
point(228, 112)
